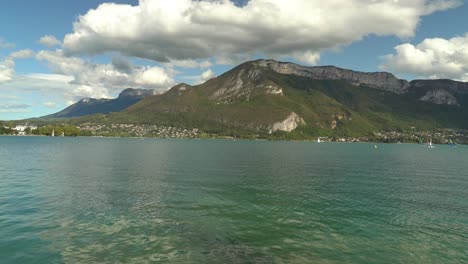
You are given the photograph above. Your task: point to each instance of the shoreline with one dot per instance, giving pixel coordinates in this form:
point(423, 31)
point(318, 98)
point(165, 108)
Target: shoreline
point(237, 139)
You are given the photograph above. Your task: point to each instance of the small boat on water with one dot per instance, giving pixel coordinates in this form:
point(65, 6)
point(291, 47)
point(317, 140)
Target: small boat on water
point(318, 140)
point(53, 133)
point(430, 144)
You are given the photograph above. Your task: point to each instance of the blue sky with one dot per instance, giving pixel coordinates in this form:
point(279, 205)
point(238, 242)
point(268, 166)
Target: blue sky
point(143, 44)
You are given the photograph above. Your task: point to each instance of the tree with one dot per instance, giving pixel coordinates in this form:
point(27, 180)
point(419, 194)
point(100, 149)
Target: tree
point(69, 131)
point(5, 131)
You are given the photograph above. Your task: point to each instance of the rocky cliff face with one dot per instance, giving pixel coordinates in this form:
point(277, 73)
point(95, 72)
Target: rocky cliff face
point(446, 92)
point(251, 79)
point(137, 93)
point(442, 92)
point(453, 87)
point(243, 83)
point(92, 101)
point(379, 80)
point(439, 96)
point(287, 125)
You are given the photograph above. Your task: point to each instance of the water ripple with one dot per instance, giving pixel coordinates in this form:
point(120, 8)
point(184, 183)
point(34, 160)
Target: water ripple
point(179, 201)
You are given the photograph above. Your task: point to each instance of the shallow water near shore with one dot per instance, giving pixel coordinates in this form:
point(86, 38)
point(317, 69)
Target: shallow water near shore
point(110, 200)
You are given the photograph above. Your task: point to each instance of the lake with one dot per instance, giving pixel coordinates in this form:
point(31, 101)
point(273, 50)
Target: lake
point(107, 200)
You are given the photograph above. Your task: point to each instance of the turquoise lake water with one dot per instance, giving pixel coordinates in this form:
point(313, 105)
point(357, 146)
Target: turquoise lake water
point(102, 200)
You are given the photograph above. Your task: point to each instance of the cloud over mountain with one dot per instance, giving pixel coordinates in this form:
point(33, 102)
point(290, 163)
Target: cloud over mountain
point(163, 30)
point(101, 80)
point(432, 58)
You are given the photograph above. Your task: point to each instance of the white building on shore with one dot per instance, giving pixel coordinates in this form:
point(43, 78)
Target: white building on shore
point(21, 129)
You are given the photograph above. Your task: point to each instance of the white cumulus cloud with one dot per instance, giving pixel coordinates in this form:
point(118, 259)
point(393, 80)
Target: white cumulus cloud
point(206, 75)
point(7, 70)
point(22, 54)
point(190, 64)
point(50, 41)
point(50, 104)
point(432, 58)
point(199, 79)
point(102, 80)
point(55, 86)
point(7, 66)
point(4, 44)
point(164, 31)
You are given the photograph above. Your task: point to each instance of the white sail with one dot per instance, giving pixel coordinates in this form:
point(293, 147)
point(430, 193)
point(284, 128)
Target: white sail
point(430, 144)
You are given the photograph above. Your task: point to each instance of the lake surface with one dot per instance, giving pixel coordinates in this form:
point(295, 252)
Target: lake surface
point(102, 200)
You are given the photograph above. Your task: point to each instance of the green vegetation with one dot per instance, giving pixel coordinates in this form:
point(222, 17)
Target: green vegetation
point(68, 131)
point(5, 131)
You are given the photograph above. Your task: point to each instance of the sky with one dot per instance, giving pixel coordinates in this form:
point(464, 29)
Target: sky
point(56, 52)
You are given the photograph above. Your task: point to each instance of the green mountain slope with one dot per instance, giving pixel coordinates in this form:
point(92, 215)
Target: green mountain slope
point(251, 98)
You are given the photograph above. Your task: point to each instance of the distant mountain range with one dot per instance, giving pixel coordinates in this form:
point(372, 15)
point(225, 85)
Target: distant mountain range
point(267, 96)
point(91, 106)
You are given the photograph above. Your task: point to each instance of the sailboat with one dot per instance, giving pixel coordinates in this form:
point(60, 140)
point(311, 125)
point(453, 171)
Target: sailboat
point(63, 134)
point(53, 133)
point(318, 140)
point(430, 144)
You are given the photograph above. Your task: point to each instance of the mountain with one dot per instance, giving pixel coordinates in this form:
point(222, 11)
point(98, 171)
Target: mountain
point(446, 92)
point(266, 96)
point(274, 99)
point(379, 80)
point(90, 106)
